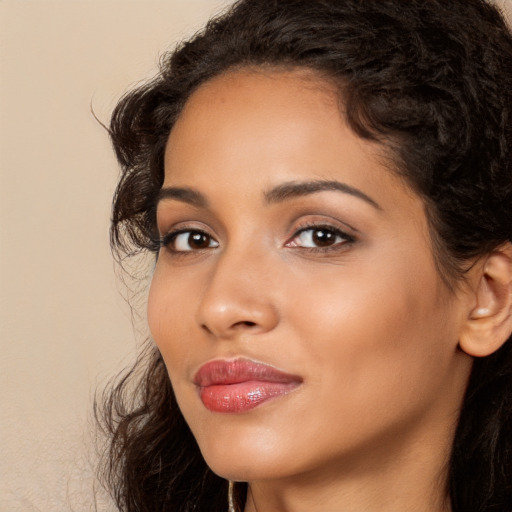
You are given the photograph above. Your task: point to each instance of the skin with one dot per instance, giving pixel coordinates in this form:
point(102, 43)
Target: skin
point(366, 322)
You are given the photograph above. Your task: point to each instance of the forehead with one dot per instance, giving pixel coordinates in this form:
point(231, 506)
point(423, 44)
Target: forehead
point(254, 84)
point(261, 127)
point(258, 101)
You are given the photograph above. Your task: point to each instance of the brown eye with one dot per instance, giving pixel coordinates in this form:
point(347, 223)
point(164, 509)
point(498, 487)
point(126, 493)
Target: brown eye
point(320, 237)
point(323, 237)
point(198, 240)
point(187, 241)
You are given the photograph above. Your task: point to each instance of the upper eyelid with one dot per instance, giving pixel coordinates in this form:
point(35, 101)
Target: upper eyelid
point(213, 224)
point(175, 232)
point(330, 223)
point(343, 234)
point(169, 214)
point(312, 219)
point(166, 228)
point(327, 227)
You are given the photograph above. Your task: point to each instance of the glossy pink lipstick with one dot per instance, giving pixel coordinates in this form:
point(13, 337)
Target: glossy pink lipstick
point(241, 385)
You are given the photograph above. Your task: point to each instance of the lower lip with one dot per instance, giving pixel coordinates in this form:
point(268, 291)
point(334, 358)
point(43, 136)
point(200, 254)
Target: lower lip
point(242, 396)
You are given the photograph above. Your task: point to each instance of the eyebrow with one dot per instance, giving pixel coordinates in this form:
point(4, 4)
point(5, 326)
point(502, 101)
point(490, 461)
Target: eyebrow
point(296, 189)
point(278, 194)
point(184, 195)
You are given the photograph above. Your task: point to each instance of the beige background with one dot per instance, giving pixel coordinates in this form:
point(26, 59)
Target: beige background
point(63, 323)
point(64, 326)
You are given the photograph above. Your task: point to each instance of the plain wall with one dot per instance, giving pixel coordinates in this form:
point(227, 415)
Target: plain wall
point(64, 326)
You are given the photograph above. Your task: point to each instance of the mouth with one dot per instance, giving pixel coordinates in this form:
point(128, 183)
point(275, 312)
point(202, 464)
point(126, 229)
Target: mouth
point(239, 385)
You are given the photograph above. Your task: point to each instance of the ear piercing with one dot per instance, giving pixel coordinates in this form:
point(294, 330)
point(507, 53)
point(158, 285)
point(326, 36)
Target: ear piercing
point(481, 312)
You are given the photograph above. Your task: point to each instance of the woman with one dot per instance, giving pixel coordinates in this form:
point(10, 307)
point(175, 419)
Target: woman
point(327, 188)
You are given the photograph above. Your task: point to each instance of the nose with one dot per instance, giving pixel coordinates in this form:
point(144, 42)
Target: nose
point(238, 297)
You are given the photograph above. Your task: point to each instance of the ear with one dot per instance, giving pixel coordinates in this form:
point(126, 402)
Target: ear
point(489, 323)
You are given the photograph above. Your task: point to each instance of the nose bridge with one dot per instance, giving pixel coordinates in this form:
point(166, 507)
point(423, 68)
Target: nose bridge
point(238, 294)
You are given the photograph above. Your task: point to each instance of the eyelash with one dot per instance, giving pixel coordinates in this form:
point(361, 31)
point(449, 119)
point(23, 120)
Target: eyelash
point(170, 238)
point(346, 238)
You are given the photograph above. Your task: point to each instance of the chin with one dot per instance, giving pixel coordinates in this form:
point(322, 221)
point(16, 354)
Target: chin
point(245, 457)
point(244, 470)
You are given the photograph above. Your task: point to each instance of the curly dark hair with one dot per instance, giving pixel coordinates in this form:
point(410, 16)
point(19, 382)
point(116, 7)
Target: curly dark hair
point(430, 80)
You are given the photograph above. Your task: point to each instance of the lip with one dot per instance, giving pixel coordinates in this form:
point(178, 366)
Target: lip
point(236, 386)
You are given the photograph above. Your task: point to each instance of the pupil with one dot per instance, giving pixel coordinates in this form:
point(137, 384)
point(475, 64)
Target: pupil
point(198, 240)
point(323, 238)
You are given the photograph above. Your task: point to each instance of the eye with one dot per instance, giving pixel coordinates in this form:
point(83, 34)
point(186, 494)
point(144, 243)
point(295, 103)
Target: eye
point(187, 241)
point(319, 237)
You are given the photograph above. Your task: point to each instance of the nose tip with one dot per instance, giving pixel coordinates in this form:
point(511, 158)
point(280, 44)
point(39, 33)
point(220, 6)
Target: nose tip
point(228, 310)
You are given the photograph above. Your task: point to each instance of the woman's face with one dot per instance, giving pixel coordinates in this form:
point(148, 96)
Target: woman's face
point(295, 300)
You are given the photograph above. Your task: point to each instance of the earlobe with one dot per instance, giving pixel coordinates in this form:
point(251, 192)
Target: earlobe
point(489, 323)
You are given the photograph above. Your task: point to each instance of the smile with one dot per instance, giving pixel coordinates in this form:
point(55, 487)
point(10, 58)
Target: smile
point(241, 385)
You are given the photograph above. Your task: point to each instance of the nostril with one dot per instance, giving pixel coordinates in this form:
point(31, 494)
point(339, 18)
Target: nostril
point(245, 324)
point(239, 325)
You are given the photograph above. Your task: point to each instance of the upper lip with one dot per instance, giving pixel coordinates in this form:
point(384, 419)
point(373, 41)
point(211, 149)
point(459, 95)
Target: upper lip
point(223, 372)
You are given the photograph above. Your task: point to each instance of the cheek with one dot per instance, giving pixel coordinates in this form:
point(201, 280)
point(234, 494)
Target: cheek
point(166, 313)
point(376, 336)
